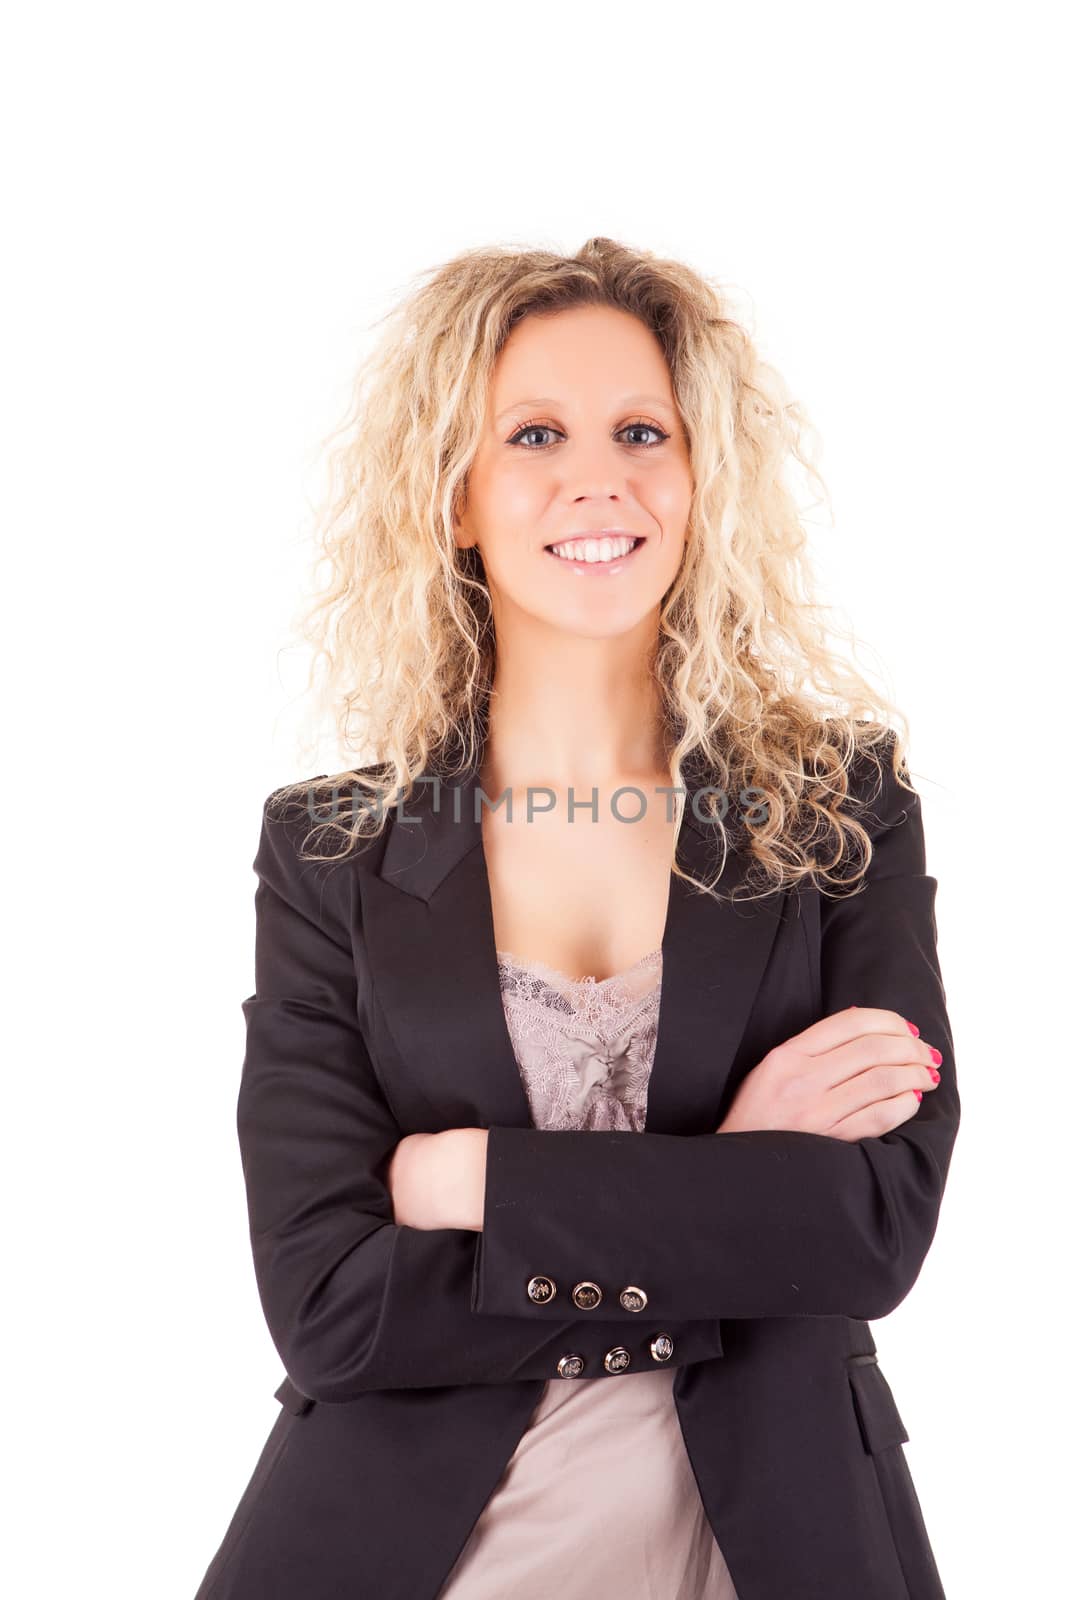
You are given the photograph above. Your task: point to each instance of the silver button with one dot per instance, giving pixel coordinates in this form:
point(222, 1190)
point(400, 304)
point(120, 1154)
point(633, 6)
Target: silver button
point(617, 1360)
point(570, 1366)
point(541, 1290)
point(632, 1298)
point(587, 1296)
point(662, 1347)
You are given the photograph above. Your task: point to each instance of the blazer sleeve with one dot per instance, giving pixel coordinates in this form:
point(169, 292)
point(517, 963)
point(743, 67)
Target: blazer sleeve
point(352, 1301)
point(759, 1224)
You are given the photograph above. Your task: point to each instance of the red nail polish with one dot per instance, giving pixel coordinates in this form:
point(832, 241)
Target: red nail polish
point(934, 1074)
point(913, 1029)
point(935, 1056)
point(917, 1093)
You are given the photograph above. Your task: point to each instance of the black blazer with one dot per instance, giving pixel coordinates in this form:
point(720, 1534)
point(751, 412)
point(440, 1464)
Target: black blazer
point(415, 1358)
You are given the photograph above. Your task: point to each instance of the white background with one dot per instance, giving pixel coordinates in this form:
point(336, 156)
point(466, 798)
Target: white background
point(206, 207)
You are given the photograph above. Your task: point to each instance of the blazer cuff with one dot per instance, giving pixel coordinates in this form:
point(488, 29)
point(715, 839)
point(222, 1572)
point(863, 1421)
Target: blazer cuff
point(547, 1195)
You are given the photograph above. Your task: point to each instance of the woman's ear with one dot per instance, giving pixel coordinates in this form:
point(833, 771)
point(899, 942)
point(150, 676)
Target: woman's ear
point(464, 536)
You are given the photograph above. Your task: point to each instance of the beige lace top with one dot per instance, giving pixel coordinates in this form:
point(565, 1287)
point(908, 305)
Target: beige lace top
point(584, 1047)
point(599, 1497)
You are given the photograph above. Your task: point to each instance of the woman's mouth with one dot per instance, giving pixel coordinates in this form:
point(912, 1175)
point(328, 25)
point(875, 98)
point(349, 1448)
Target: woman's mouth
point(607, 553)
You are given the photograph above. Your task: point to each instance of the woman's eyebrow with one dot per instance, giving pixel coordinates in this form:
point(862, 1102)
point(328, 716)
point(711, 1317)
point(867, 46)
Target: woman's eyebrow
point(549, 400)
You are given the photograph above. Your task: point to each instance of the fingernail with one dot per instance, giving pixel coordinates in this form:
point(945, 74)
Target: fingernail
point(935, 1056)
point(934, 1074)
point(913, 1029)
point(917, 1093)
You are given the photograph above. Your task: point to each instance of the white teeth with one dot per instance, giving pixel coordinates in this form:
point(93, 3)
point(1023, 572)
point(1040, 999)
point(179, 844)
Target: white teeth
point(593, 549)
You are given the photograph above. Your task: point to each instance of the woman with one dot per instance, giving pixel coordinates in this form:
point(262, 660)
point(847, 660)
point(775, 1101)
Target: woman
point(527, 1352)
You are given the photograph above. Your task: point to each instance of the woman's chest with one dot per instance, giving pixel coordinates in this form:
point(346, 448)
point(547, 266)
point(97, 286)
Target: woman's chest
point(589, 898)
point(736, 978)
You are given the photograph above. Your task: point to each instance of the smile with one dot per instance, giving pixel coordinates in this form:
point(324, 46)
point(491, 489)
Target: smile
point(596, 555)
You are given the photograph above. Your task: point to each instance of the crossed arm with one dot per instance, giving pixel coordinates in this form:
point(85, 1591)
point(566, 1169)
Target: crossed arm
point(722, 1225)
point(353, 1300)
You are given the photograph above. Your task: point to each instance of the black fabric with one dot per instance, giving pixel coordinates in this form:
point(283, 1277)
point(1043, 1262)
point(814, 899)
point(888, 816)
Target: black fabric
point(414, 1359)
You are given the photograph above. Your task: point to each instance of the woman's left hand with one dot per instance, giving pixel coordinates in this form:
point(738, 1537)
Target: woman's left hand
point(437, 1180)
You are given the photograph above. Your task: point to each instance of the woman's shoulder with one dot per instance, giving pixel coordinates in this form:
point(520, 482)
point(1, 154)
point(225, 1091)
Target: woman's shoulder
point(316, 818)
point(878, 789)
point(883, 800)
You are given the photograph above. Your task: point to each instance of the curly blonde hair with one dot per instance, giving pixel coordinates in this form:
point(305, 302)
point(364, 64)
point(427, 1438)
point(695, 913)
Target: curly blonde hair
point(402, 627)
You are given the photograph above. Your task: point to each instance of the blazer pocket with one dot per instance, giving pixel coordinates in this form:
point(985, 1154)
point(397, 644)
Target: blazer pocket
point(883, 1434)
point(291, 1398)
point(876, 1410)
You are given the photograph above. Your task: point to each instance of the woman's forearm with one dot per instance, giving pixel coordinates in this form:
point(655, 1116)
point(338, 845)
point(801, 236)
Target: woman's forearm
point(464, 1160)
point(437, 1180)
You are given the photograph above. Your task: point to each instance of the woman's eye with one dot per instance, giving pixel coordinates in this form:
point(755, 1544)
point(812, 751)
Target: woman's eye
point(531, 427)
point(646, 427)
point(632, 427)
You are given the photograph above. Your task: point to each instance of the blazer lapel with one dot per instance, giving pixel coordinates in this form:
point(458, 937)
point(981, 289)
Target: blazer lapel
point(428, 928)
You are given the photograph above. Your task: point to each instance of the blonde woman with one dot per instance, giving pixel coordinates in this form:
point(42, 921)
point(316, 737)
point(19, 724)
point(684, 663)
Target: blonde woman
point(599, 1087)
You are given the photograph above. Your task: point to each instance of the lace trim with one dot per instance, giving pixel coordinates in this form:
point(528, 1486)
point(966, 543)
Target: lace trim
point(511, 960)
point(584, 1046)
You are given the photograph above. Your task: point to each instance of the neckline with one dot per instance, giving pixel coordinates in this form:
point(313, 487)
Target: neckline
point(584, 982)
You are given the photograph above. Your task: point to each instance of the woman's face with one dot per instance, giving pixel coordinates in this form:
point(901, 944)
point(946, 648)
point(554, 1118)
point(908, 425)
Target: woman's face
point(581, 435)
